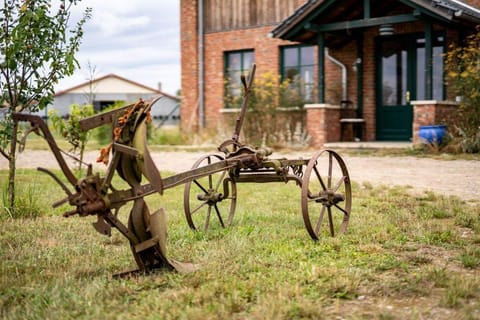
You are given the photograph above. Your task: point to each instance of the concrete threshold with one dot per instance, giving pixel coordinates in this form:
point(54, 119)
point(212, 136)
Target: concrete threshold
point(369, 145)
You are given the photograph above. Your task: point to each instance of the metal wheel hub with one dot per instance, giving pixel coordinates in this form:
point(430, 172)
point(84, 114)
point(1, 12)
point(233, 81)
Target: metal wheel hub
point(211, 197)
point(328, 198)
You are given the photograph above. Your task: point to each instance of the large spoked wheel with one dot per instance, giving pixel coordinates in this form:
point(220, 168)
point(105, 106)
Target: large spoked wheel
point(211, 199)
point(326, 195)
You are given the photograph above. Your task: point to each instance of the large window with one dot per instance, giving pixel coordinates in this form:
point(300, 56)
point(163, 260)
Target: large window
point(297, 65)
point(236, 64)
point(437, 68)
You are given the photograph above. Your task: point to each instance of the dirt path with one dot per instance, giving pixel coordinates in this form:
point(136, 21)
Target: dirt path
point(458, 177)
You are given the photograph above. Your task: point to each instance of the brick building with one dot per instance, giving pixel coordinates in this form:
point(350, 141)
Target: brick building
point(375, 64)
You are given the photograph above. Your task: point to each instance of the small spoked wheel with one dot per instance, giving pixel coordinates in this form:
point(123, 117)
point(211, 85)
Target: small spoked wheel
point(211, 199)
point(326, 195)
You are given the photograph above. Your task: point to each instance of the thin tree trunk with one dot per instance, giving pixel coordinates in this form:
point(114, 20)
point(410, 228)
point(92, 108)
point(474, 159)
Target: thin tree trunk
point(11, 168)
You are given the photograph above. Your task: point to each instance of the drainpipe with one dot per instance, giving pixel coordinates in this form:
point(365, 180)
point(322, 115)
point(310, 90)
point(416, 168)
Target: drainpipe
point(344, 74)
point(201, 98)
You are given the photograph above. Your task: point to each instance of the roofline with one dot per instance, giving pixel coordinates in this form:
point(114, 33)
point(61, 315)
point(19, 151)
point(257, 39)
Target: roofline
point(298, 15)
point(436, 7)
point(112, 75)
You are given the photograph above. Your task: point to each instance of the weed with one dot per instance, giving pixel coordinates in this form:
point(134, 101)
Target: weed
point(470, 257)
point(397, 248)
point(459, 289)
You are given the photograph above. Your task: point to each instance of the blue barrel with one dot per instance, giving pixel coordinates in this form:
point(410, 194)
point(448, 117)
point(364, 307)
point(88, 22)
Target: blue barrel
point(432, 134)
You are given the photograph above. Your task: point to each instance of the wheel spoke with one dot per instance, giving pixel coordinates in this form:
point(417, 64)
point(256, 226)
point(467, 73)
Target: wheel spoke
point(198, 208)
point(320, 219)
point(319, 178)
point(200, 186)
point(339, 183)
point(219, 216)
point(220, 179)
point(330, 167)
point(330, 221)
point(341, 209)
point(210, 177)
point(207, 218)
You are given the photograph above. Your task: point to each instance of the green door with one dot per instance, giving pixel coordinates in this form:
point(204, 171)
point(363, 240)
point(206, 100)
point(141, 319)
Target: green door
point(395, 88)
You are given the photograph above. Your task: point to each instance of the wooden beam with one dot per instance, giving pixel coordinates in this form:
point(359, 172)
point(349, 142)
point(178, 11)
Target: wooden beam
point(362, 23)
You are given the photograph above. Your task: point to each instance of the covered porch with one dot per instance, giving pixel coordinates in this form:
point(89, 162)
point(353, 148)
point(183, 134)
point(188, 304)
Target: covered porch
point(388, 57)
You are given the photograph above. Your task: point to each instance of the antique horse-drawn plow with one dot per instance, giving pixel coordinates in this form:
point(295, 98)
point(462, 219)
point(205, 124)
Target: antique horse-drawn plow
point(210, 193)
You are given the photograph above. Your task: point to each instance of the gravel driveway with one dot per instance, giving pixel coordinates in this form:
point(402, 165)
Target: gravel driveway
point(447, 177)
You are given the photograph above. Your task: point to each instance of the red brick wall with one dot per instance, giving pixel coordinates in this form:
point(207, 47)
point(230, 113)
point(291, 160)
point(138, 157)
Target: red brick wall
point(323, 124)
point(266, 58)
point(189, 65)
point(215, 44)
point(474, 3)
point(427, 114)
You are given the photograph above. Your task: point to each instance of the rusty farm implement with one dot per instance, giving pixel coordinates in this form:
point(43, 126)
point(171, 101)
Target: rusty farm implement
point(210, 193)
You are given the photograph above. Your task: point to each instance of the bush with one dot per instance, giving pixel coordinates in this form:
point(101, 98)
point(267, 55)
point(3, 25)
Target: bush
point(70, 128)
point(166, 136)
point(267, 97)
point(462, 66)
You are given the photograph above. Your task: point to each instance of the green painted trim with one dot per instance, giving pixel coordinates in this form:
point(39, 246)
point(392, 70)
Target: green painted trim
point(299, 26)
point(361, 23)
point(366, 9)
point(321, 68)
point(428, 60)
point(360, 77)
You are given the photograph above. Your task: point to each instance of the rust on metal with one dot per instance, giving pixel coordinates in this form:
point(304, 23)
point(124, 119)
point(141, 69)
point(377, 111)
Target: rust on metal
point(210, 192)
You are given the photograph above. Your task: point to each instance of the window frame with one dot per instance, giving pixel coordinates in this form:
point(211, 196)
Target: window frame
point(244, 69)
point(299, 66)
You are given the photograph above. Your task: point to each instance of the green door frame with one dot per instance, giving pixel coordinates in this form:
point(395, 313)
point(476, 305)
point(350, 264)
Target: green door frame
point(394, 120)
point(402, 114)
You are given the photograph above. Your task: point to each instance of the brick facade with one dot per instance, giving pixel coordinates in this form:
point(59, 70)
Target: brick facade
point(267, 58)
point(427, 113)
point(189, 62)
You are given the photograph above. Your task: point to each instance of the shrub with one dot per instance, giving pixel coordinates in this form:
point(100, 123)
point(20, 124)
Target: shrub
point(462, 66)
point(269, 95)
point(70, 128)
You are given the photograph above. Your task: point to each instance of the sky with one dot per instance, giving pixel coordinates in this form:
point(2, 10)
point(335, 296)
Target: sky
point(135, 39)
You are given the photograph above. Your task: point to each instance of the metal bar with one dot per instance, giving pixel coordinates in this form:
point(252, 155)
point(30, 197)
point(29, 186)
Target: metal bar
point(125, 149)
point(267, 178)
point(100, 119)
point(108, 116)
point(246, 94)
point(37, 121)
point(117, 198)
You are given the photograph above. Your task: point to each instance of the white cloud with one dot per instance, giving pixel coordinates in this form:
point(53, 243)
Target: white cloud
point(138, 40)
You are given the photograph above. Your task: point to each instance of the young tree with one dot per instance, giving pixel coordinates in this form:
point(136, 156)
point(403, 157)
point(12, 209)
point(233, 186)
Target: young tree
point(37, 49)
point(70, 128)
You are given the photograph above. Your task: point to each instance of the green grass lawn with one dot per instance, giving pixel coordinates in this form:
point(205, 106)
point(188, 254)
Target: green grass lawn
point(404, 256)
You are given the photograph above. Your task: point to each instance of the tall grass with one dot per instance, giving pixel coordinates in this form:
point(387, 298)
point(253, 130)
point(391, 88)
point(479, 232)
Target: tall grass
point(403, 256)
